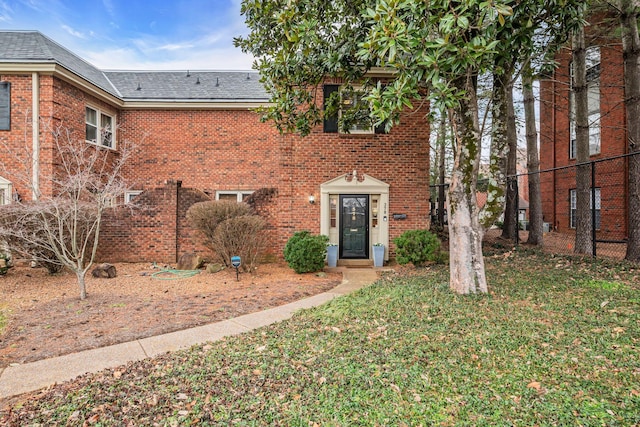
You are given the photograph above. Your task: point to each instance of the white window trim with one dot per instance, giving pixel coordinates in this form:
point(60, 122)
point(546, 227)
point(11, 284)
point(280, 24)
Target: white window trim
point(7, 188)
point(99, 114)
point(240, 194)
point(130, 195)
point(573, 208)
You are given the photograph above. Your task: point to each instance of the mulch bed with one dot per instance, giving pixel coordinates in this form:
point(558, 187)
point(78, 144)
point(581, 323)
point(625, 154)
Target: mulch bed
point(48, 319)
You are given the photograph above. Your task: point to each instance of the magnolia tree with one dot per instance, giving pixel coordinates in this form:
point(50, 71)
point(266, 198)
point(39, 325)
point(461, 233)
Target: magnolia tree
point(434, 50)
point(61, 228)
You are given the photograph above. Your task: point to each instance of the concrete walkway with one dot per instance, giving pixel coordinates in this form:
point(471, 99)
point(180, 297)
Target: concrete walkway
point(18, 379)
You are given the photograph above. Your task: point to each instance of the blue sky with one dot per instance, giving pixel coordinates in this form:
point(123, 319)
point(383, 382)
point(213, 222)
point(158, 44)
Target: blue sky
point(138, 35)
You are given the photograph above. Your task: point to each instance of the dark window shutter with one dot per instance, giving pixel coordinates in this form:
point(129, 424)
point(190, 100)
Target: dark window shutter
point(5, 106)
point(330, 122)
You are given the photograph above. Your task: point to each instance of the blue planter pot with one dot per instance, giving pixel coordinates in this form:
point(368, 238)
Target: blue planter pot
point(332, 256)
point(378, 256)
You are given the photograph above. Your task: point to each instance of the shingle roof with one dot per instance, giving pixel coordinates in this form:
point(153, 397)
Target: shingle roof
point(188, 85)
point(33, 47)
point(212, 86)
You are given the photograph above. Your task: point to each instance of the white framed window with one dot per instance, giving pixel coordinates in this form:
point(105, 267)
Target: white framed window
point(99, 128)
point(593, 96)
point(354, 104)
point(129, 196)
point(6, 190)
point(573, 210)
point(237, 196)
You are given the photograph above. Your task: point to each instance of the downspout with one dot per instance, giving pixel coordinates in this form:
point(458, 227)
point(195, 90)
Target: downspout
point(554, 224)
point(35, 136)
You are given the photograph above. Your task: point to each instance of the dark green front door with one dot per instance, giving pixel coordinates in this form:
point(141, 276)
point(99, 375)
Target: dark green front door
point(354, 226)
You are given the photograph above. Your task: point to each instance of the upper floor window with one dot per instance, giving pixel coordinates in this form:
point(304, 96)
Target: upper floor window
point(352, 108)
point(593, 103)
point(100, 128)
point(355, 109)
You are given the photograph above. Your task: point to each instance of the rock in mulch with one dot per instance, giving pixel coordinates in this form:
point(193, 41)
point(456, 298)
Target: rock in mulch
point(189, 261)
point(104, 271)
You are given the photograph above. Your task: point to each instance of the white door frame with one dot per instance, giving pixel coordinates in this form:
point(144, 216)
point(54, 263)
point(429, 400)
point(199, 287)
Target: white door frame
point(356, 184)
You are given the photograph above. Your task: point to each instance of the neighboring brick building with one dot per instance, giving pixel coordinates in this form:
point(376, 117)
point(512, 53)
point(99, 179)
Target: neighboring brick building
point(198, 138)
point(605, 75)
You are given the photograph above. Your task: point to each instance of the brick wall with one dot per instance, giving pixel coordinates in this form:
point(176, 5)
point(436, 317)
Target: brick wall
point(208, 150)
point(555, 140)
point(147, 232)
point(20, 134)
point(62, 106)
point(232, 150)
point(400, 158)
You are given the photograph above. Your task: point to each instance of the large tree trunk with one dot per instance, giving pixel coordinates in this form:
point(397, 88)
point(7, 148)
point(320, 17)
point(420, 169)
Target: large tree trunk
point(442, 141)
point(498, 153)
point(533, 160)
point(583, 243)
point(82, 287)
point(631, 48)
point(467, 273)
point(510, 229)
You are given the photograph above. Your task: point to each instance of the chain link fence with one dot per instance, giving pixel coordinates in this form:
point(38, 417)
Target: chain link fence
point(608, 220)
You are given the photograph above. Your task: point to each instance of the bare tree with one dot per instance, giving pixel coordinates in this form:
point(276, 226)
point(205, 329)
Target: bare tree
point(62, 227)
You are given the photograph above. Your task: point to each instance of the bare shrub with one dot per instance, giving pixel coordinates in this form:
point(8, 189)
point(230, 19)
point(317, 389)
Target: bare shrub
point(240, 236)
point(29, 240)
point(229, 228)
point(205, 216)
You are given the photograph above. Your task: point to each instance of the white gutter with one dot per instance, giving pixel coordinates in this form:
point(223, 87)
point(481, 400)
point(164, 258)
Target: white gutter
point(35, 135)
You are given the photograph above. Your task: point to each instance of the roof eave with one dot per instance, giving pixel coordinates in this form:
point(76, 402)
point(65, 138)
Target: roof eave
point(194, 104)
point(55, 69)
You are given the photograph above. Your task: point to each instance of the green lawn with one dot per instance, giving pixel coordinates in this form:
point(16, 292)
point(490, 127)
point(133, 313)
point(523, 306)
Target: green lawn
point(556, 342)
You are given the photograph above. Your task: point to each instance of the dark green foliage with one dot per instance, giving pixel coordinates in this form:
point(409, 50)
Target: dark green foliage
point(418, 247)
point(305, 252)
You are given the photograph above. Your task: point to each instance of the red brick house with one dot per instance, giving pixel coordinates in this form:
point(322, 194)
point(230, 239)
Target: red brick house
point(605, 75)
point(199, 138)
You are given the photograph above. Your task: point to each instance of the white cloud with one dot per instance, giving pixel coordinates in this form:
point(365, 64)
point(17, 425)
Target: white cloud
point(73, 32)
point(109, 7)
point(198, 40)
point(194, 59)
point(33, 4)
point(5, 12)
point(175, 46)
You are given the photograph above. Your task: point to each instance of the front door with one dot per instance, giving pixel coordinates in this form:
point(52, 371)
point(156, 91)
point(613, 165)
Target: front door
point(354, 226)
